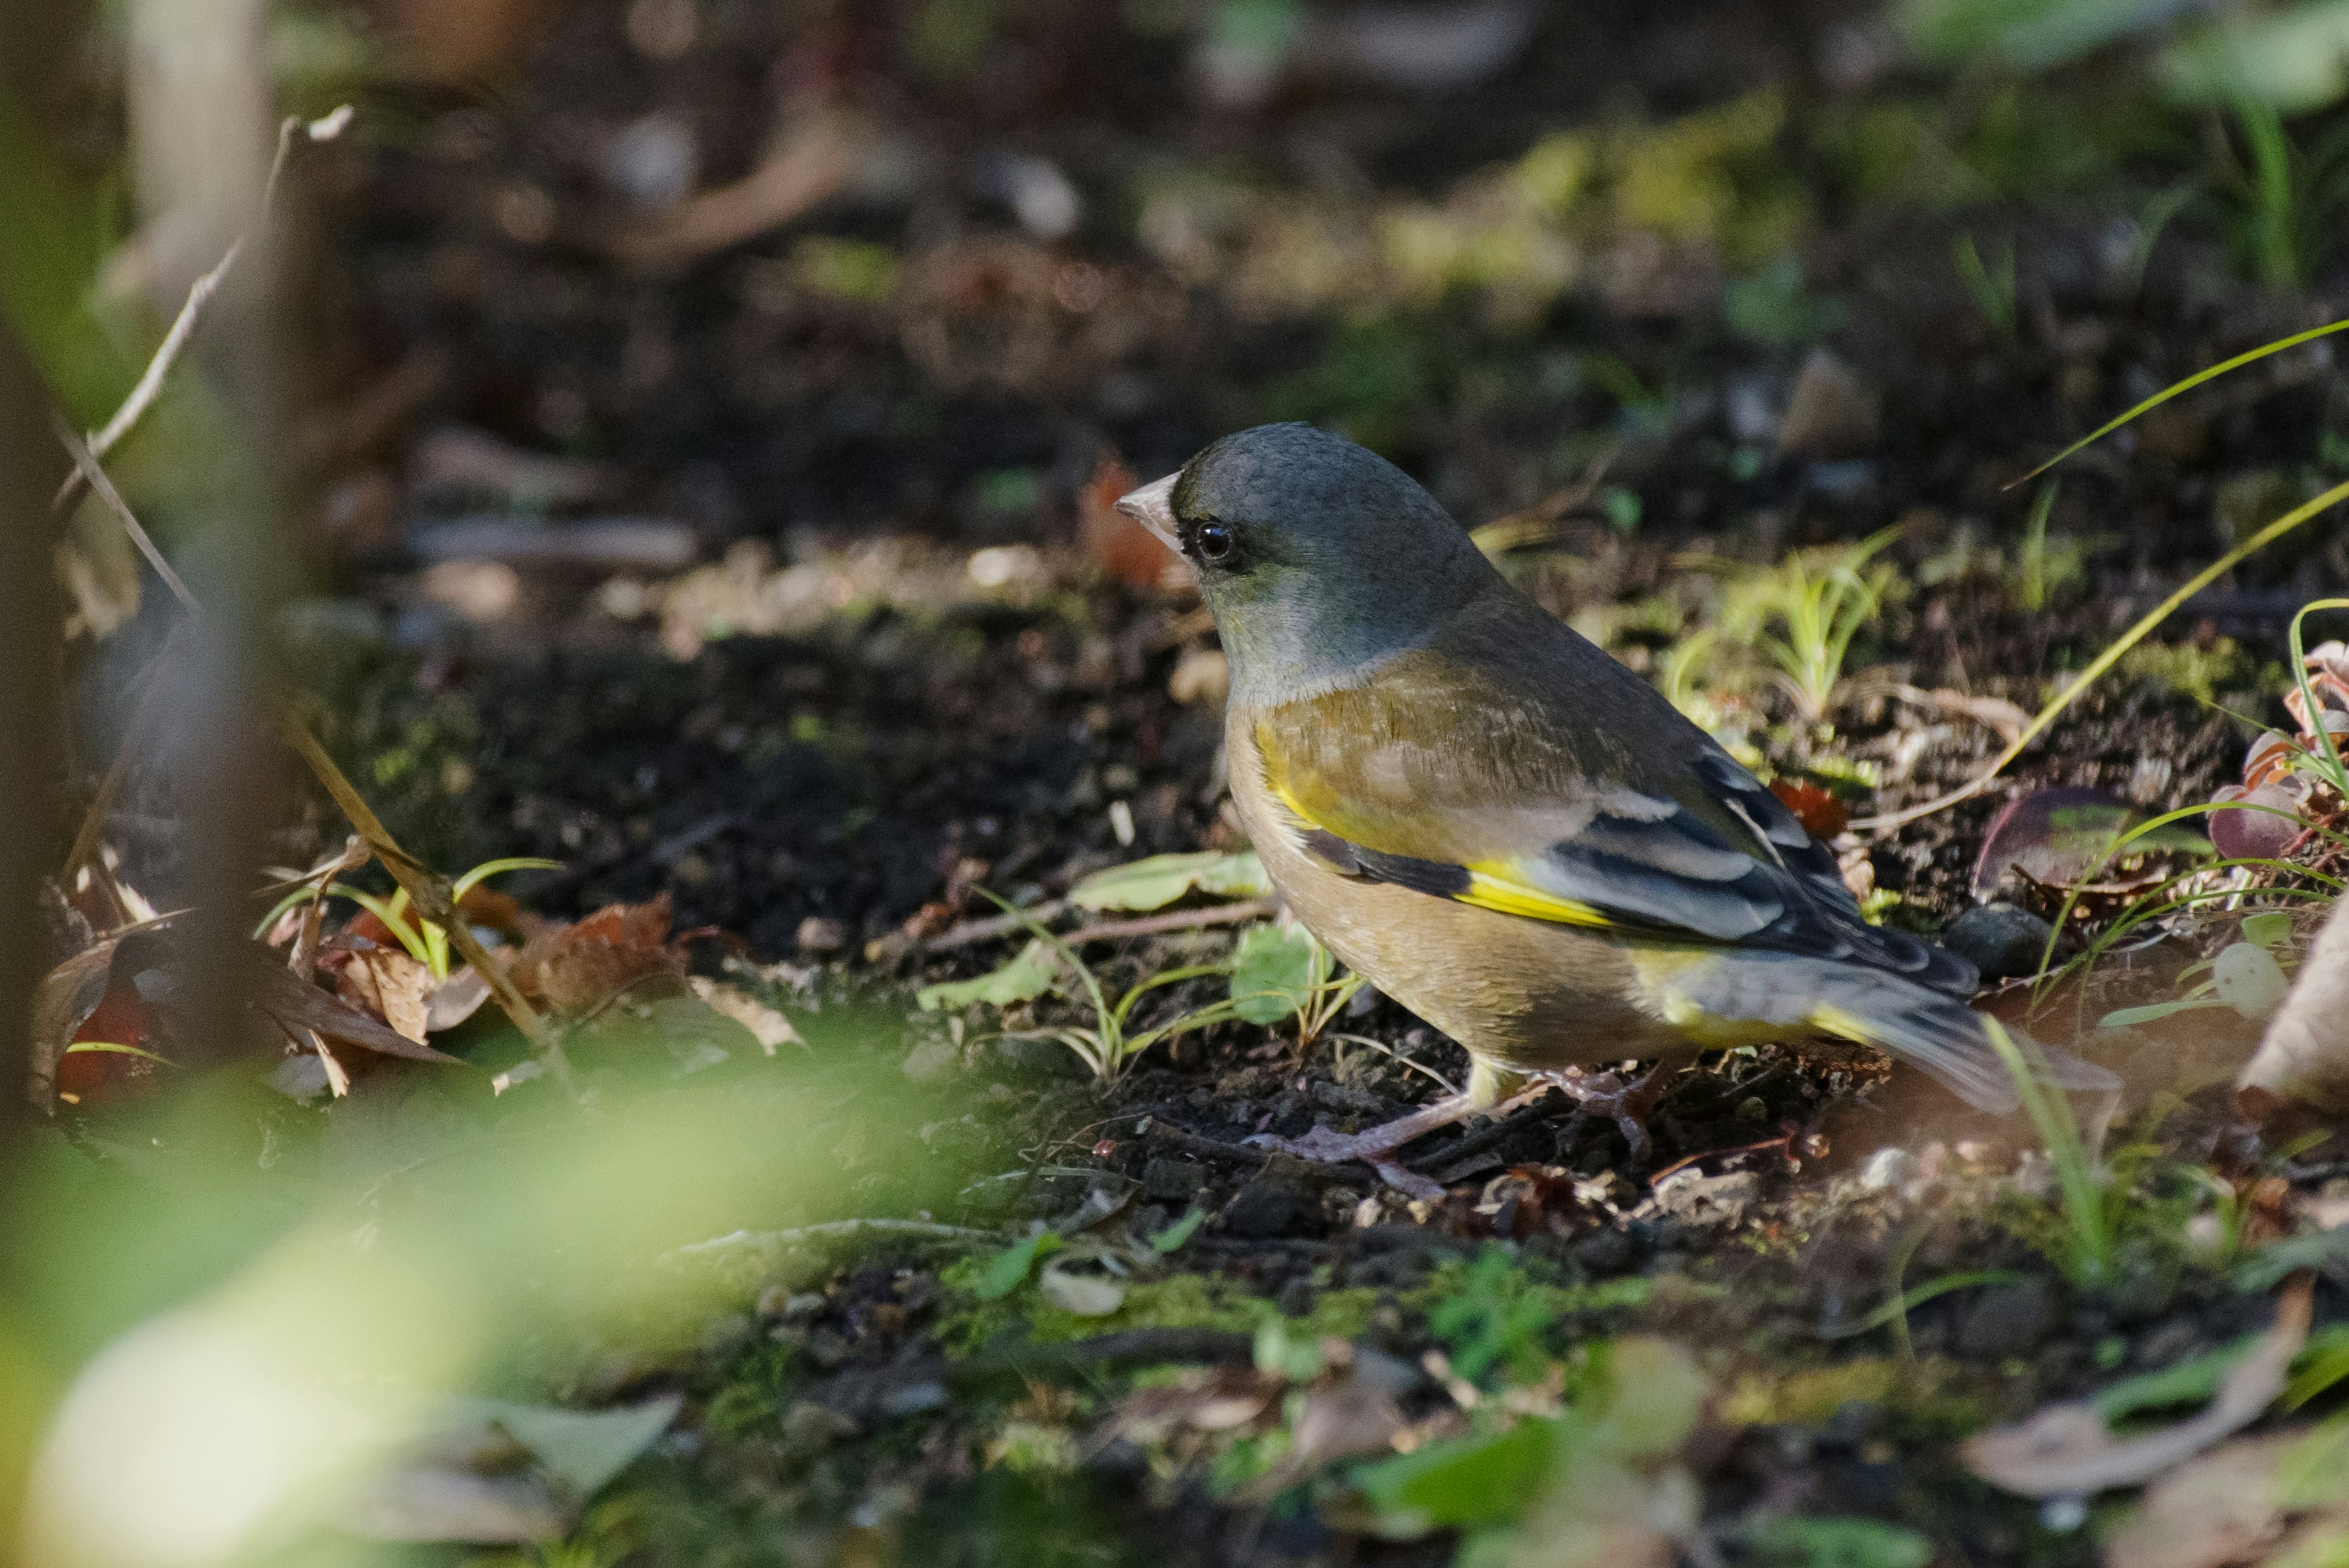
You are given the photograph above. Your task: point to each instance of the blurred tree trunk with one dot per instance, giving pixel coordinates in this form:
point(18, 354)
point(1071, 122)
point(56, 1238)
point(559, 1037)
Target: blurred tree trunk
point(202, 134)
point(35, 41)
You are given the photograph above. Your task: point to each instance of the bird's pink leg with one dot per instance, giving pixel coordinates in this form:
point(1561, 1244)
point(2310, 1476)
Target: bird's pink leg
point(1375, 1146)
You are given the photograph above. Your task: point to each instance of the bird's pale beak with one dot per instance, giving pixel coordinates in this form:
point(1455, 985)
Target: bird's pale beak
point(1152, 506)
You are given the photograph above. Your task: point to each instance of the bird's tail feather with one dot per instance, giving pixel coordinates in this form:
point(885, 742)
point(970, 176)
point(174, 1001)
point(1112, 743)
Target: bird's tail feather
point(1929, 1030)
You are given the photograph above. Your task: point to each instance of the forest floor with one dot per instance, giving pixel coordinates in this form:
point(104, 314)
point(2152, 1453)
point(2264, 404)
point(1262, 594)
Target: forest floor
point(776, 583)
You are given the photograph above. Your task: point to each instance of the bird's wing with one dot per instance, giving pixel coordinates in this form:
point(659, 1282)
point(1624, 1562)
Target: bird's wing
point(1519, 808)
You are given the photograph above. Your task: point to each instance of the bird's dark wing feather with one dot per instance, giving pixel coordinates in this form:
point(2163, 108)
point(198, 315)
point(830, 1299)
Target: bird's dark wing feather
point(1508, 810)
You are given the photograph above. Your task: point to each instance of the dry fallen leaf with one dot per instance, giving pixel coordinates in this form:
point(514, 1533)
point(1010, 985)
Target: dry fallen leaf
point(1822, 817)
point(390, 985)
point(2304, 1054)
point(576, 969)
point(455, 999)
point(2067, 1450)
point(768, 1027)
point(2214, 1509)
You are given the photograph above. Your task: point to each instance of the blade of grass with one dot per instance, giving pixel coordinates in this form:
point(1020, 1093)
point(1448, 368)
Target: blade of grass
point(2335, 774)
point(110, 1048)
point(2249, 357)
point(1907, 1300)
point(2112, 655)
point(2075, 1175)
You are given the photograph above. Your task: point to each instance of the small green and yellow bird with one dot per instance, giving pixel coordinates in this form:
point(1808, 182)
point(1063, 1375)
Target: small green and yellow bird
point(1503, 829)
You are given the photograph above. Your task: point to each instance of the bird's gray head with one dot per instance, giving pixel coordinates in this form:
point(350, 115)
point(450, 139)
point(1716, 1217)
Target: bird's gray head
point(1315, 556)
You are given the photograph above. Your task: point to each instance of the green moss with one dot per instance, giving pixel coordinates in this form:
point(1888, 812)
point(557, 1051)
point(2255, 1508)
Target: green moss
point(1182, 1301)
point(2195, 670)
point(1923, 1393)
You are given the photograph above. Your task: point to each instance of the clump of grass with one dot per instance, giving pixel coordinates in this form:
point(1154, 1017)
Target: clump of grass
point(427, 941)
point(2081, 1240)
point(1798, 617)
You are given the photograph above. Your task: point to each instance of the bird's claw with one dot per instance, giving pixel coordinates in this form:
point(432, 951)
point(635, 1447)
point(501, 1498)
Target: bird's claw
point(1626, 1104)
point(1326, 1148)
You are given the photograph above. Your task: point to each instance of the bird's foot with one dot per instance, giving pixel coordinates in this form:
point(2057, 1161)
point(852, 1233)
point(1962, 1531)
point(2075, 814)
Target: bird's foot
point(1628, 1104)
point(1375, 1146)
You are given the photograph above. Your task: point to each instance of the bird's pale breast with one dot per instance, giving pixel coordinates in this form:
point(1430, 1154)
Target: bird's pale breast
point(1525, 995)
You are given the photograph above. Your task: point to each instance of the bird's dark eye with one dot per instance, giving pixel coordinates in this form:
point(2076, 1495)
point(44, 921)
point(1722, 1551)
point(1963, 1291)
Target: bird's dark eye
point(1214, 541)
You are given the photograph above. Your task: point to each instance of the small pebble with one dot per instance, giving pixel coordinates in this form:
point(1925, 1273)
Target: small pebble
point(2001, 941)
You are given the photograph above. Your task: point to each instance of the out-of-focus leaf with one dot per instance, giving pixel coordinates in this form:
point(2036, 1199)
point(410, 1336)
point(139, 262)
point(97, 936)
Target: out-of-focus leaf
point(2278, 1261)
point(1008, 1270)
point(2295, 57)
point(2069, 1451)
point(2250, 979)
point(1272, 973)
point(1788, 1542)
point(428, 1503)
point(1655, 1393)
point(2218, 1507)
point(1158, 881)
point(1086, 1295)
point(1170, 1240)
point(2053, 835)
point(2188, 1382)
point(1036, 971)
point(694, 1034)
point(2304, 1056)
point(2324, 1365)
point(1472, 1480)
point(583, 1448)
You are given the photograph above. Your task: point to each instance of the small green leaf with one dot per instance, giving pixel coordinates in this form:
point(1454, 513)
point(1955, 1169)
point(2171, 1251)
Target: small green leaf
point(1008, 1270)
point(1272, 973)
point(1036, 971)
point(1158, 881)
point(2268, 927)
point(2127, 1016)
point(1837, 1543)
point(2192, 1381)
point(1466, 1480)
point(2266, 1269)
point(1170, 1240)
point(2323, 1363)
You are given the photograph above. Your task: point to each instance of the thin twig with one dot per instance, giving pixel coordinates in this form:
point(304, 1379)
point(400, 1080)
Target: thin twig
point(85, 464)
point(200, 293)
point(1174, 920)
point(996, 926)
point(988, 930)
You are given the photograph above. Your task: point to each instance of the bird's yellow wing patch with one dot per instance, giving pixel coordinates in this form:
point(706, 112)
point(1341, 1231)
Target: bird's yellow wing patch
point(1493, 886)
